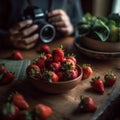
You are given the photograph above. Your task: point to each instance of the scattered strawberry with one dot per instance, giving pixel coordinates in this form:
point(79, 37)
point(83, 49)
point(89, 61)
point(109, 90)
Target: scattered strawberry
point(24, 115)
point(45, 49)
point(87, 104)
point(97, 84)
point(2, 68)
point(7, 77)
point(110, 79)
point(17, 55)
point(58, 55)
point(8, 111)
point(33, 70)
point(19, 100)
point(42, 112)
point(87, 71)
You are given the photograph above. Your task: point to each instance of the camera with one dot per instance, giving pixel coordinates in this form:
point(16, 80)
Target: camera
point(39, 16)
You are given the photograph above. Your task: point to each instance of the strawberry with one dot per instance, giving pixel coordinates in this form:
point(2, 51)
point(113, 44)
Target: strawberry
point(24, 115)
point(49, 76)
point(110, 79)
point(72, 57)
point(58, 55)
point(60, 75)
point(71, 74)
point(7, 77)
point(42, 111)
point(9, 111)
point(19, 100)
point(2, 68)
point(44, 48)
point(87, 104)
point(17, 55)
point(55, 66)
point(87, 71)
point(68, 64)
point(97, 85)
point(33, 70)
point(40, 60)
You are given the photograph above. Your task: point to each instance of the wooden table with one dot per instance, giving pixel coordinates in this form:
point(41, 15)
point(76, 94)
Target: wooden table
point(65, 105)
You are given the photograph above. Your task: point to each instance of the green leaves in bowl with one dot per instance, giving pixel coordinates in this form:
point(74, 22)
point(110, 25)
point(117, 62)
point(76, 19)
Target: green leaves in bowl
point(100, 28)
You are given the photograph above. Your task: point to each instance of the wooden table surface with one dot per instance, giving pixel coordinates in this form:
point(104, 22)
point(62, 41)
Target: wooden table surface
point(64, 105)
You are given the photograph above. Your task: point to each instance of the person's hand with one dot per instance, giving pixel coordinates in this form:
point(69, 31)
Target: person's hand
point(19, 36)
point(61, 21)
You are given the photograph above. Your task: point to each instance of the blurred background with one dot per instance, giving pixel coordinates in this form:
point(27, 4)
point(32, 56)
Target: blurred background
point(101, 7)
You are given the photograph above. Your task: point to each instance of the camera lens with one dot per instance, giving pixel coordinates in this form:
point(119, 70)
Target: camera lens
point(47, 33)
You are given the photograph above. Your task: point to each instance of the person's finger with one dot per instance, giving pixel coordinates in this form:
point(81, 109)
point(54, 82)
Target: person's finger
point(56, 12)
point(19, 26)
point(28, 31)
point(31, 39)
point(59, 24)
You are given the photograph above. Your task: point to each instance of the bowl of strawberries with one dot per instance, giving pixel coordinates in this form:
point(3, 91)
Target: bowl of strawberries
point(53, 72)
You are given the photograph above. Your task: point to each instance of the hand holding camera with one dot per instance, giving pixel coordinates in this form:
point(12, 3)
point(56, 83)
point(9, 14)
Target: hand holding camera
point(61, 21)
point(20, 38)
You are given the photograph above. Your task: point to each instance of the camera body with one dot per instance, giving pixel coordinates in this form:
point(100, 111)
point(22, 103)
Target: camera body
point(45, 30)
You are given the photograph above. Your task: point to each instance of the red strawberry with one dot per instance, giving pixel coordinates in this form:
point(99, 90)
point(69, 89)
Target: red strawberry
point(60, 75)
point(45, 49)
point(40, 60)
point(72, 57)
point(42, 112)
point(19, 100)
point(2, 68)
point(71, 74)
point(110, 79)
point(68, 64)
point(87, 71)
point(24, 115)
point(58, 55)
point(33, 70)
point(87, 104)
point(97, 84)
point(55, 66)
point(7, 77)
point(49, 76)
point(17, 55)
point(9, 111)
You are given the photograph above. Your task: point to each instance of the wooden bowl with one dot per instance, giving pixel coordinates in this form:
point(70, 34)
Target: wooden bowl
point(56, 87)
point(99, 45)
